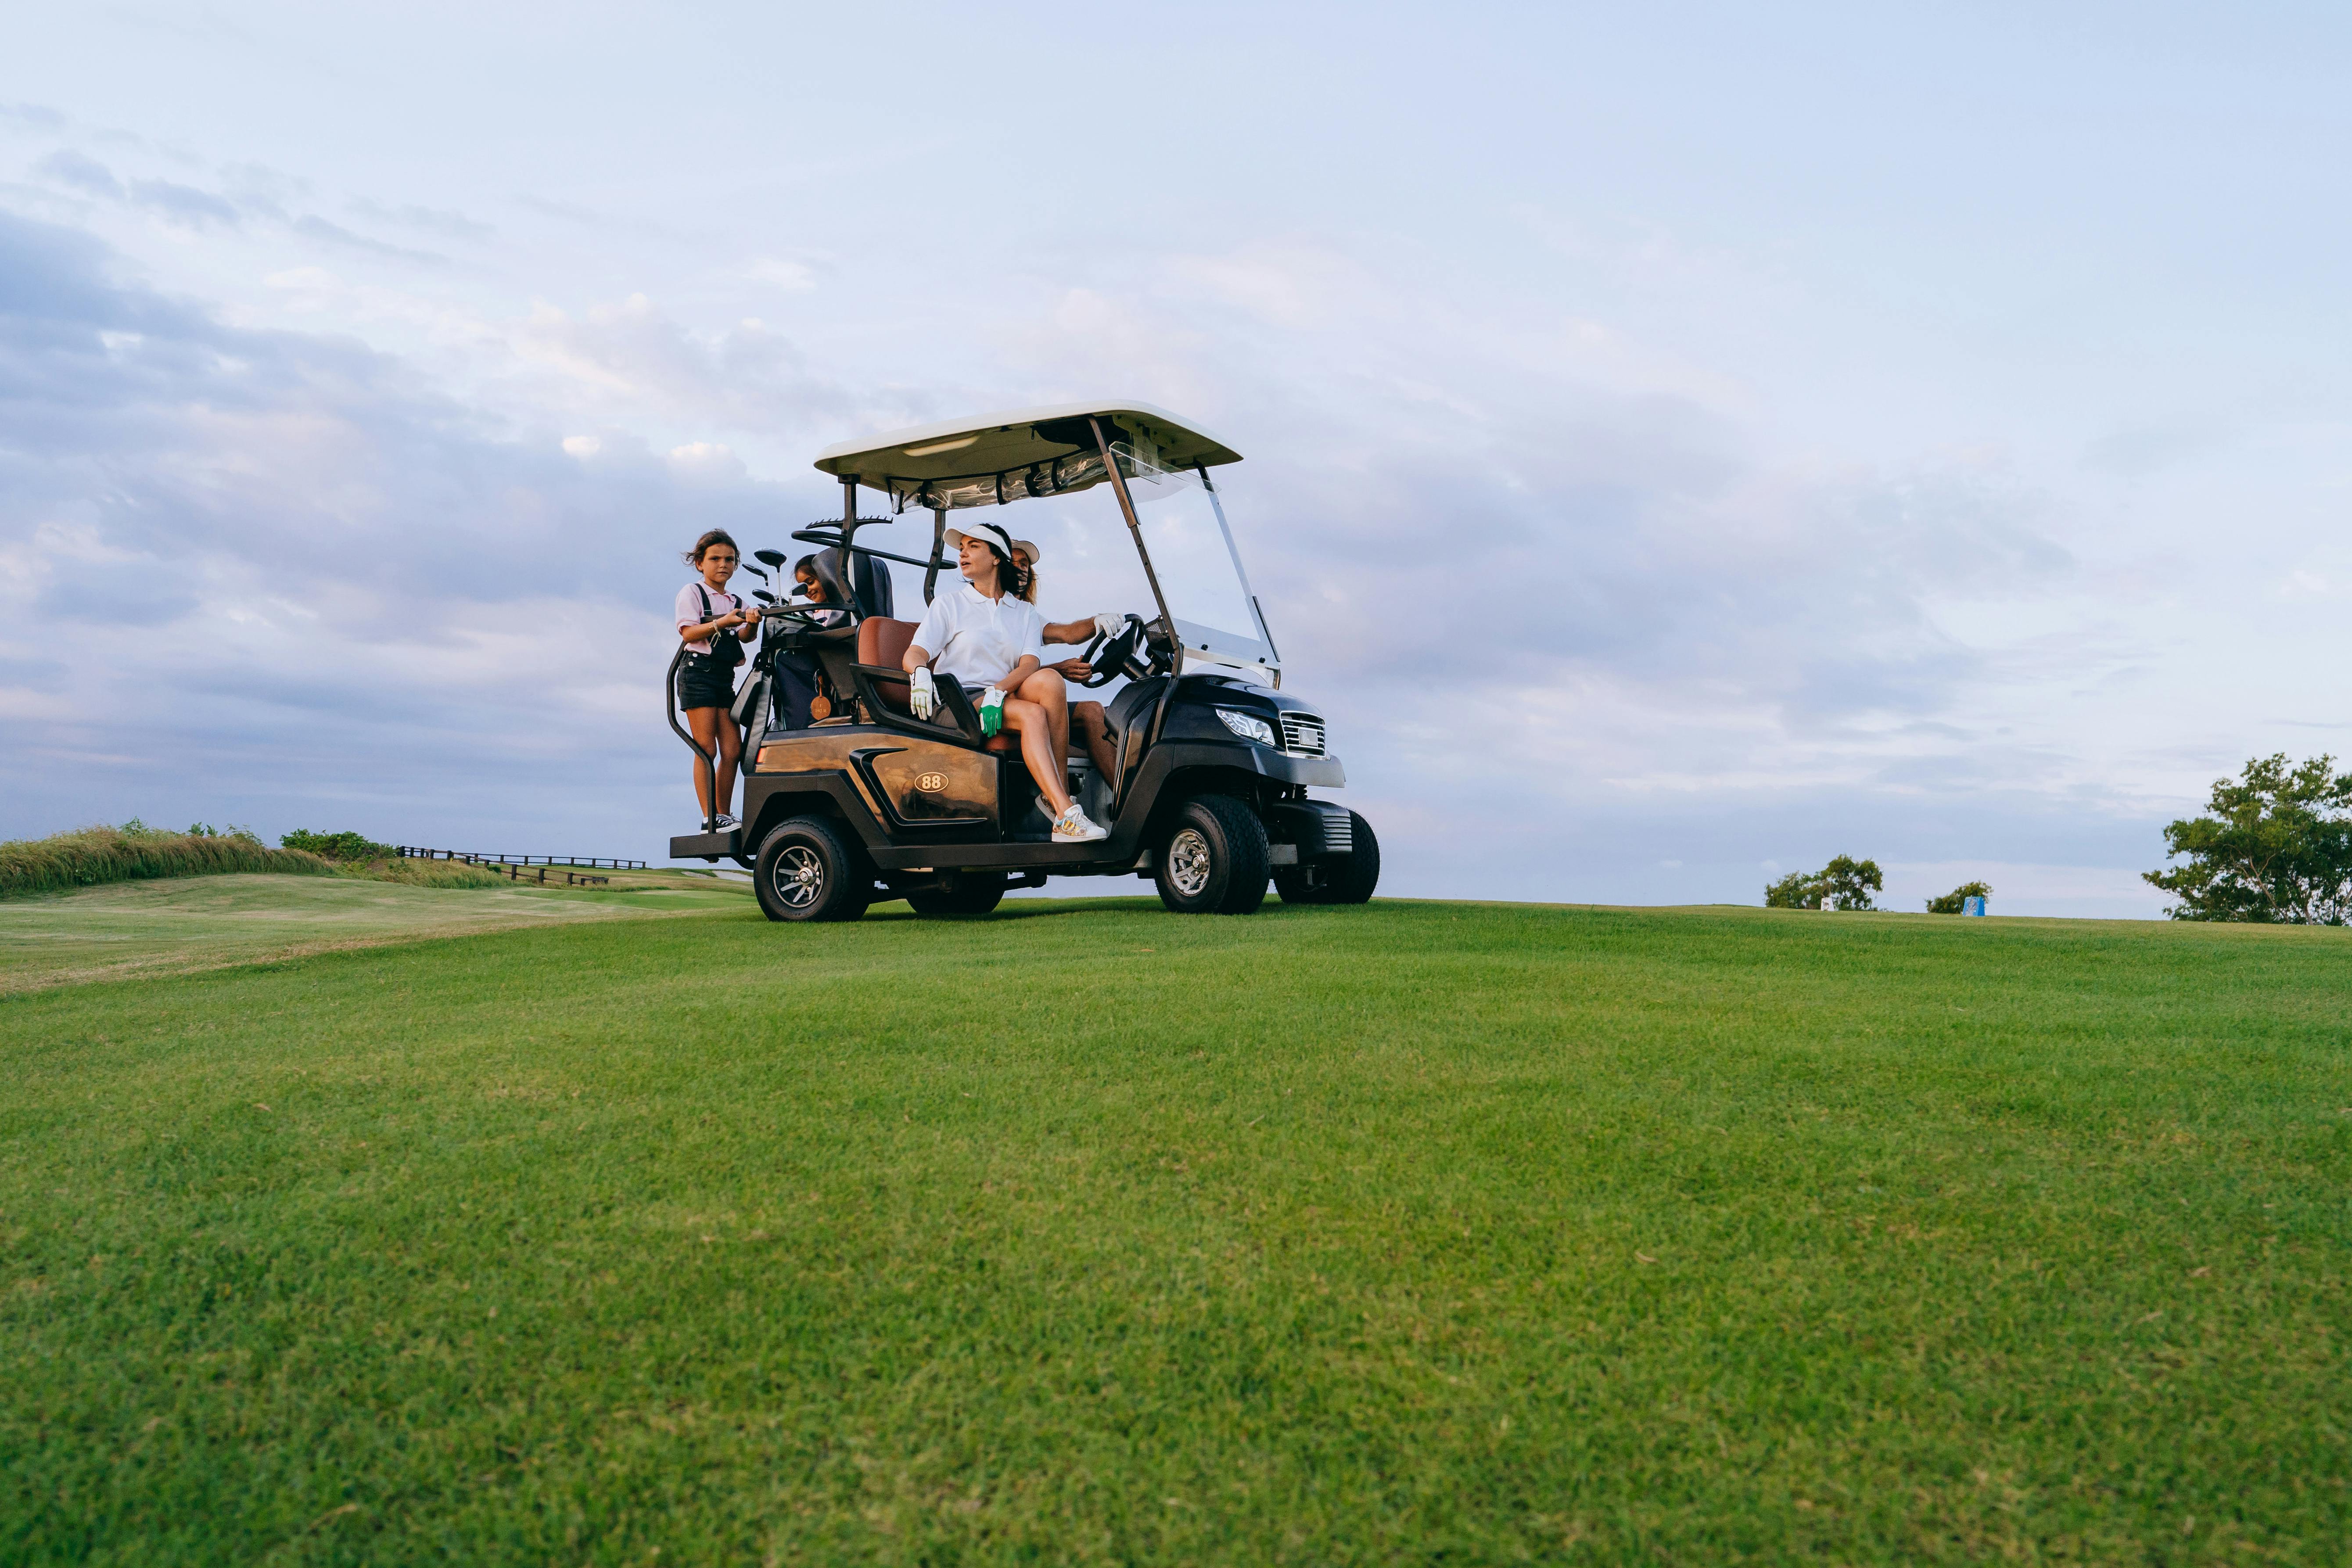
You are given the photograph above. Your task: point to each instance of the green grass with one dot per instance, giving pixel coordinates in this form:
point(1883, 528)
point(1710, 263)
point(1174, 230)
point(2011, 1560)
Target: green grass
point(1419, 1233)
point(206, 923)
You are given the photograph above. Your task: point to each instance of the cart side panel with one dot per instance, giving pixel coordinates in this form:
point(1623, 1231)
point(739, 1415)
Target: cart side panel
point(924, 783)
point(812, 771)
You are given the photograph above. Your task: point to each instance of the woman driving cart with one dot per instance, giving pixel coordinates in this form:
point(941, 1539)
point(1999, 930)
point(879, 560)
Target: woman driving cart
point(986, 637)
point(1086, 719)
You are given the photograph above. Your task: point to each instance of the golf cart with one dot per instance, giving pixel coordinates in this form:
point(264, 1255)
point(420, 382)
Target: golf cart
point(1214, 760)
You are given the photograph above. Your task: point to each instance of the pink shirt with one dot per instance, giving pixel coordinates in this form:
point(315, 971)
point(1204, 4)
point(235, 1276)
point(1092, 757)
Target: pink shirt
point(690, 613)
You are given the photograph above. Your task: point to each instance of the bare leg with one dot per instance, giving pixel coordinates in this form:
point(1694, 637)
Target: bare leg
point(1037, 749)
point(704, 722)
point(730, 752)
point(1093, 730)
point(1047, 690)
point(714, 730)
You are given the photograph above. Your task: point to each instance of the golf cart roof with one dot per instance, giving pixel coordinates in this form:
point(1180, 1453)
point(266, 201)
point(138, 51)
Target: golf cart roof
point(987, 459)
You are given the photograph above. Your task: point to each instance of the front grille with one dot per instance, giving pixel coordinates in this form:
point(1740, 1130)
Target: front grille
point(1338, 833)
point(1302, 734)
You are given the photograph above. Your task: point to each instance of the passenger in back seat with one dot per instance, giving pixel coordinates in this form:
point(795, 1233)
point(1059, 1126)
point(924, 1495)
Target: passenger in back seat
point(988, 638)
point(796, 670)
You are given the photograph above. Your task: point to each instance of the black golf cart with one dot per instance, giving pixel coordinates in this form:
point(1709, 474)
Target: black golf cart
point(851, 798)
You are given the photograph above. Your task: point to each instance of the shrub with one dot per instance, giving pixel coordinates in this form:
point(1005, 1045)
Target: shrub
point(422, 873)
point(1845, 883)
point(337, 845)
point(88, 855)
point(356, 854)
point(1955, 902)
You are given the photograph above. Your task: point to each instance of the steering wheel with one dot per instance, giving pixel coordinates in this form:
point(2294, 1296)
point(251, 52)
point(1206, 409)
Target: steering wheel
point(1116, 660)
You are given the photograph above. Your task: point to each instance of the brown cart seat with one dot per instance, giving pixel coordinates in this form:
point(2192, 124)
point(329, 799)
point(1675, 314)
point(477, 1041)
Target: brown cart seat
point(883, 642)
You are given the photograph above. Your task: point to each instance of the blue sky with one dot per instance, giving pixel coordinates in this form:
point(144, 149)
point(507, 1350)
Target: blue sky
point(1683, 443)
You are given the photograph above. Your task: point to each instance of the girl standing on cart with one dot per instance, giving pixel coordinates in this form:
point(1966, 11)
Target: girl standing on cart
point(714, 625)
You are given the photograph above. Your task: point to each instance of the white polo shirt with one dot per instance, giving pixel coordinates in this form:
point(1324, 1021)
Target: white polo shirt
point(978, 639)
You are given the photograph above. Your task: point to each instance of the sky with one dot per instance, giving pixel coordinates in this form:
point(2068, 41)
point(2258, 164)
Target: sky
point(1681, 443)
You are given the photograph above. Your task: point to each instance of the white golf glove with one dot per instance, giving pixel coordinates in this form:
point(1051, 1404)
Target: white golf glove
point(1108, 623)
point(922, 697)
point(992, 710)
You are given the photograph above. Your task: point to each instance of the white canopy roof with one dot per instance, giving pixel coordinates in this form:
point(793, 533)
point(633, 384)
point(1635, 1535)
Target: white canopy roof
point(986, 460)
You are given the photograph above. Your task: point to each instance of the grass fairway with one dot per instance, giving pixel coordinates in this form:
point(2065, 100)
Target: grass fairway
point(1418, 1233)
point(205, 922)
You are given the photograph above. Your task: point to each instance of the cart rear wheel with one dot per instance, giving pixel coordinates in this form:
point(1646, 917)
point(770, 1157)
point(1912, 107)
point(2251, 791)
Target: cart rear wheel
point(1214, 859)
point(806, 873)
point(1346, 879)
point(970, 896)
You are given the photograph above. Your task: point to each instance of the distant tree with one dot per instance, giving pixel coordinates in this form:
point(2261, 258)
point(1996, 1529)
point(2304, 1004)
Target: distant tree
point(1844, 883)
point(1955, 902)
point(2276, 848)
point(1850, 882)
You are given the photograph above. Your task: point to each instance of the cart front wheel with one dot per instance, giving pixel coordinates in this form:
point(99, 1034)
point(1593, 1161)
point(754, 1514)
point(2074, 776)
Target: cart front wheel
point(1214, 859)
point(806, 873)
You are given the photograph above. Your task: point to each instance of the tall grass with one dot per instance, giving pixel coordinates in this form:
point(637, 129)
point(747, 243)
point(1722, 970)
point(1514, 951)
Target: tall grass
point(88, 855)
point(422, 873)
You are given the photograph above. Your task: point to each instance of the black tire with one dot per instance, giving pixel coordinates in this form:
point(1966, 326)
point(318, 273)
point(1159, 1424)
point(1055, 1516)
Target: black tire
point(1215, 859)
point(970, 896)
point(806, 873)
point(1345, 879)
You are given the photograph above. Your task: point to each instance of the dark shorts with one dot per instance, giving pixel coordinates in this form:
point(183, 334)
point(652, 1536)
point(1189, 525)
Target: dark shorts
point(705, 683)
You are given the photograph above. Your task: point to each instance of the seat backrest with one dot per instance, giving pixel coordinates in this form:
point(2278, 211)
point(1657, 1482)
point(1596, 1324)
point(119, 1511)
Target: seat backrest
point(871, 579)
point(827, 565)
point(883, 641)
point(868, 586)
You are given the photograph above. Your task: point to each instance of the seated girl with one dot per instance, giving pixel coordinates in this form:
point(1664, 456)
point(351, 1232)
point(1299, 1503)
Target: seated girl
point(797, 680)
point(985, 636)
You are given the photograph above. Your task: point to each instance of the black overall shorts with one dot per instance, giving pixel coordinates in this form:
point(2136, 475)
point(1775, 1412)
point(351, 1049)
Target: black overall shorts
point(704, 681)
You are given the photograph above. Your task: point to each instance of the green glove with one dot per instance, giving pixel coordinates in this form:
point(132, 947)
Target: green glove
point(992, 711)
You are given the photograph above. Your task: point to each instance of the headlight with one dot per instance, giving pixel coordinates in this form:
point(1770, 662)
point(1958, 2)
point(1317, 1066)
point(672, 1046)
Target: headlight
point(1248, 726)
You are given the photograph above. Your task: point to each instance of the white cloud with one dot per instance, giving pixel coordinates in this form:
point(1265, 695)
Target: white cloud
point(794, 276)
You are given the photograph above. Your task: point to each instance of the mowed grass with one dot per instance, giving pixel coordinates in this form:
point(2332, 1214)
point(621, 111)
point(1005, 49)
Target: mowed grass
point(206, 923)
point(1416, 1233)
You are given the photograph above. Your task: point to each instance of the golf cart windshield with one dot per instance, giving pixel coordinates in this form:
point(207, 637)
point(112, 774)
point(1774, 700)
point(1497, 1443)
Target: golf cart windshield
point(1193, 556)
point(1052, 461)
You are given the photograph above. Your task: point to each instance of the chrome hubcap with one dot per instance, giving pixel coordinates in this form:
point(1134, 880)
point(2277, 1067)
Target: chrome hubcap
point(799, 876)
point(1188, 862)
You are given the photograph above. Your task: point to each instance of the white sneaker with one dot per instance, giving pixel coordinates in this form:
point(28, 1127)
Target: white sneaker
point(726, 822)
point(1072, 827)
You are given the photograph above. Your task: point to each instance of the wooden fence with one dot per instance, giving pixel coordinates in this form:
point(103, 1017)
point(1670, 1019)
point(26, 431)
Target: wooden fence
point(475, 857)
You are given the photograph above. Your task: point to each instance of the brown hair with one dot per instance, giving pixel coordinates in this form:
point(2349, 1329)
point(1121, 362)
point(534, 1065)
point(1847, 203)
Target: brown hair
point(1025, 579)
point(805, 568)
point(703, 546)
